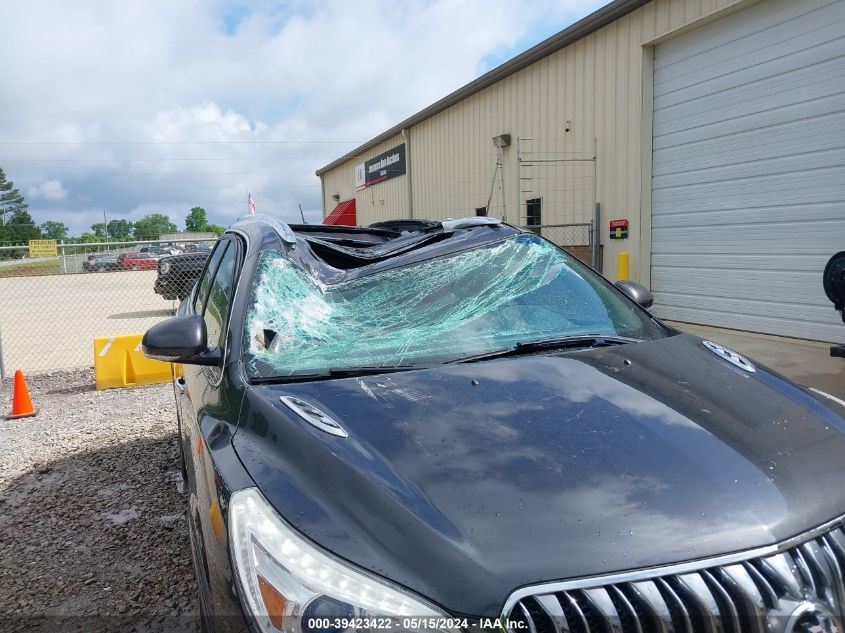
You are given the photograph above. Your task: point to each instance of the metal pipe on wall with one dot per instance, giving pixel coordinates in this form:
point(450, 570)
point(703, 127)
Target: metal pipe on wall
point(323, 197)
point(406, 136)
point(596, 254)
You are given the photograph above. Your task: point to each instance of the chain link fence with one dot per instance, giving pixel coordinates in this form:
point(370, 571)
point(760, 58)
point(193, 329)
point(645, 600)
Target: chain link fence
point(52, 307)
point(577, 239)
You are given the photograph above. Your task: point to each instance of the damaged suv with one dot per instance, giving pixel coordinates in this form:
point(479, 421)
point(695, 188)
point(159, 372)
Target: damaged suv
point(458, 425)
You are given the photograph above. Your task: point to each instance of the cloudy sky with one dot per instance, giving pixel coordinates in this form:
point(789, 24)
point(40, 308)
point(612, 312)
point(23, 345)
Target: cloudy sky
point(157, 106)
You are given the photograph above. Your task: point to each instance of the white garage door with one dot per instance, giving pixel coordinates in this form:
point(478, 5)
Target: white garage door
point(748, 190)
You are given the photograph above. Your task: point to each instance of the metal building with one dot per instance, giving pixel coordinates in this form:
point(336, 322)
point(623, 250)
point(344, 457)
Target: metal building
point(715, 128)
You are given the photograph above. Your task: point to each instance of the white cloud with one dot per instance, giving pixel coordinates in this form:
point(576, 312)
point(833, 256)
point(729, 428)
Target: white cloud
point(122, 90)
point(48, 190)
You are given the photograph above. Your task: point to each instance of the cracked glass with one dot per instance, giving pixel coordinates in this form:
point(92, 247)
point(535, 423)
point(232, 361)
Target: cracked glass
point(470, 302)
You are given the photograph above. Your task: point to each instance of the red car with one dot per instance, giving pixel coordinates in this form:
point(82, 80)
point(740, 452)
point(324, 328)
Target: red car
point(137, 261)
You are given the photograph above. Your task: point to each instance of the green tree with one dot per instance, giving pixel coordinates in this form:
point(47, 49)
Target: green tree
point(22, 225)
point(195, 221)
point(89, 237)
point(215, 228)
point(11, 200)
point(99, 229)
point(52, 230)
point(120, 229)
point(7, 234)
point(151, 227)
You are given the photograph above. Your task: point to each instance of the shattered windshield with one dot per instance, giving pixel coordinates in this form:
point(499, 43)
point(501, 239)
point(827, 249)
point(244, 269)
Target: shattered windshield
point(472, 302)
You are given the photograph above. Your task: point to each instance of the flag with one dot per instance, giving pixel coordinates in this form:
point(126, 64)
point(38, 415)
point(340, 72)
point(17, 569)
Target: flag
point(250, 203)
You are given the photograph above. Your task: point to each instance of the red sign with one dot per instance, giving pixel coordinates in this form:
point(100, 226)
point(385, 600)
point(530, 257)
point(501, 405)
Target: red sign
point(618, 229)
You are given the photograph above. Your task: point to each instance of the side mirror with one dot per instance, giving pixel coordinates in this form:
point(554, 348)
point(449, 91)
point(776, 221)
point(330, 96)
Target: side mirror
point(180, 339)
point(834, 287)
point(834, 280)
point(637, 292)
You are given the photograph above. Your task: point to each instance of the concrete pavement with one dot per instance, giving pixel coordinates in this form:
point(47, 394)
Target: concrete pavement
point(49, 322)
point(805, 362)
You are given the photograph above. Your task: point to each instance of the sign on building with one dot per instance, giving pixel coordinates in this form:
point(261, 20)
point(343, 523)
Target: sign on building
point(386, 165)
point(43, 248)
point(360, 177)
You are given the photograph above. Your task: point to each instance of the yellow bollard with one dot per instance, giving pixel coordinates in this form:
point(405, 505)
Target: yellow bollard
point(622, 266)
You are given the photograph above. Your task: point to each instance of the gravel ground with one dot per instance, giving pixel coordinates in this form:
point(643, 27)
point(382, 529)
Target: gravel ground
point(92, 528)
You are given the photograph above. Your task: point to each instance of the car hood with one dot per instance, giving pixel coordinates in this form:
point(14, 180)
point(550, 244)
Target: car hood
point(465, 482)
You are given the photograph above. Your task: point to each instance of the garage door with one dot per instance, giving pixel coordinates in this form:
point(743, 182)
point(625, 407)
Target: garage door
point(748, 191)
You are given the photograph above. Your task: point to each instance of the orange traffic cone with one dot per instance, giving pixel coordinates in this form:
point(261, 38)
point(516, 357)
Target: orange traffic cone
point(21, 402)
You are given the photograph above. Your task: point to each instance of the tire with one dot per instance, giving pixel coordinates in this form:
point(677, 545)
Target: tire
point(202, 617)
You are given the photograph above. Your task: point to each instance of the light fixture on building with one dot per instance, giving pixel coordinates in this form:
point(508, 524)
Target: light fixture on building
point(336, 197)
point(502, 140)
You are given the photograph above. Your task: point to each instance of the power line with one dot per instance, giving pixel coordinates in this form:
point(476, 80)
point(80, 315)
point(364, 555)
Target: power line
point(303, 142)
point(217, 173)
point(238, 187)
point(150, 160)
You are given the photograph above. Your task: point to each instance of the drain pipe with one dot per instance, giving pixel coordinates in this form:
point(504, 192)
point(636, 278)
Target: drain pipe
point(406, 136)
point(323, 198)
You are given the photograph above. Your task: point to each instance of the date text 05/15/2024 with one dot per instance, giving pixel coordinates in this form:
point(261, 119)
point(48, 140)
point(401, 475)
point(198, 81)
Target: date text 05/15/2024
point(422, 623)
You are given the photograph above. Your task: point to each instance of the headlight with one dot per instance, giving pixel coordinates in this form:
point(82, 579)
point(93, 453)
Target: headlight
point(292, 586)
point(164, 267)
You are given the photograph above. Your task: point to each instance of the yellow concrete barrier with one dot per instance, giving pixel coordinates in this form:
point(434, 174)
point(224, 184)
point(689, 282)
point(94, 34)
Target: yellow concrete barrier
point(120, 362)
point(622, 266)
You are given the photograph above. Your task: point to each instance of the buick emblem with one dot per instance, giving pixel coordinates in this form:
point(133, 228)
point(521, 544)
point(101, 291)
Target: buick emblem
point(729, 355)
point(812, 617)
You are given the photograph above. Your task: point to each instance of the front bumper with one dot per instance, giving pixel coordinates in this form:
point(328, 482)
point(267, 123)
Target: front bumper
point(167, 288)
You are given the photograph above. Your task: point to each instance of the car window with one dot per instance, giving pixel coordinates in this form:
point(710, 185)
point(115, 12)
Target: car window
point(219, 298)
point(208, 275)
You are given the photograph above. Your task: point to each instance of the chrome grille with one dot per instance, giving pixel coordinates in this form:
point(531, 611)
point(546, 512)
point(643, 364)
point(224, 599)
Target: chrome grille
point(799, 589)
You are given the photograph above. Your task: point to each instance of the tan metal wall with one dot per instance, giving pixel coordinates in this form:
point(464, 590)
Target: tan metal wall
point(384, 201)
point(599, 84)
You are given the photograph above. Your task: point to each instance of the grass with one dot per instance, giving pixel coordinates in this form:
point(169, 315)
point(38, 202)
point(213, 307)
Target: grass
point(31, 269)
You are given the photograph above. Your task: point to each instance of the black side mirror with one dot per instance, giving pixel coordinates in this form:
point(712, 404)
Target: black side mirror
point(180, 339)
point(834, 280)
point(834, 287)
point(637, 292)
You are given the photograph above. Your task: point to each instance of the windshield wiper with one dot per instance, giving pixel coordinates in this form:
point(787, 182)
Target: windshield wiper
point(346, 372)
point(560, 342)
point(341, 372)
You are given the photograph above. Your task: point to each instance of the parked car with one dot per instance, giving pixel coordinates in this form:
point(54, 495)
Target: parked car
point(197, 248)
point(436, 428)
point(160, 250)
point(178, 274)
point(137, 261)
point(101, 263)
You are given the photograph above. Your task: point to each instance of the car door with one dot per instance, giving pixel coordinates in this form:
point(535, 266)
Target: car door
point(192, 385)
point(209, 404)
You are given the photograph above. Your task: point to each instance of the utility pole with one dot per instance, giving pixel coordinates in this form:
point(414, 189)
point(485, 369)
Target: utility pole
point(105, 225)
